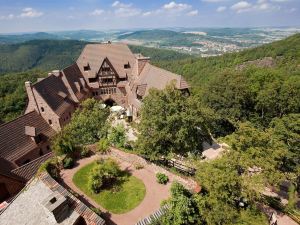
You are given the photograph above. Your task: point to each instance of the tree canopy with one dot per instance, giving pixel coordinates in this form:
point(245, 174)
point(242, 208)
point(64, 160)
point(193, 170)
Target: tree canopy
point(171, 122)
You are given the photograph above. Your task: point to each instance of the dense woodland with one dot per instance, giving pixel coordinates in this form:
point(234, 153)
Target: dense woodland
point(253, 107)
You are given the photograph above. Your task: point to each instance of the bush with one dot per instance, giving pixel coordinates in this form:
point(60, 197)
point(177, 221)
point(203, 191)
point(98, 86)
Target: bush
point(84, 152)
point(162, 178)
point(97, 211)
point(68, 163)
point(51, 166)
point(103, 146)
point(103, 174)
point(117, 136)
point(138, 166)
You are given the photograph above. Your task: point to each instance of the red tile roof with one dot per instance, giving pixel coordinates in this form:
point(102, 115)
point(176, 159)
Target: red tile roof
point(28, 170)
point(14, 143)
point(51, 90)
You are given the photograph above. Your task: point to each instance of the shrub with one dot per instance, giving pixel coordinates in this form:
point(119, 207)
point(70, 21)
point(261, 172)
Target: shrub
point(162, 178)
point(138, 166)
point(103, 146)
point(84, 152)
point(68, 163)
point(51, 166)
point(97, 211)
point(103, 174)
point(117, 136)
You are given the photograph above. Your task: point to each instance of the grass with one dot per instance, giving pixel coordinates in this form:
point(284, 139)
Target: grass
point(121, 198)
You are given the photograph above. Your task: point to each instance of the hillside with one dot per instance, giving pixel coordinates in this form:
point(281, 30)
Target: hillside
point(56, 54)
point(40, 54)
point(18, 38)
point(198, 71)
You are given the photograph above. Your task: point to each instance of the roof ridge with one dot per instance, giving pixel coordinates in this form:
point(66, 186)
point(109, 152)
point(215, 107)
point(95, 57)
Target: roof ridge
point(33, 161)
point(19, 117)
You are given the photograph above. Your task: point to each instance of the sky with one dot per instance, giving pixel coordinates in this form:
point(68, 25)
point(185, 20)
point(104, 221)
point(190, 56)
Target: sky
point(58, 15)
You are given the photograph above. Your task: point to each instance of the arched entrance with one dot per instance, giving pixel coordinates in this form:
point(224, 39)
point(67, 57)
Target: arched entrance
point(109, 102)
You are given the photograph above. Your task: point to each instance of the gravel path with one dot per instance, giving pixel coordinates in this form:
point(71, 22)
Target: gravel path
point(155, 192)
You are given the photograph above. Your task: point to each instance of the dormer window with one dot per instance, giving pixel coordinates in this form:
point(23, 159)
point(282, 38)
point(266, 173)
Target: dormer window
point(127, 66)
point(42, 109)
point(87, 67)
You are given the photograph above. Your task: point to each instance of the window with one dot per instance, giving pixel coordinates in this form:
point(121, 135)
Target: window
point(107, 80)
point(42, 109)
point(48, 147)
point(50, 122)
point(41, 152)
point(126, 66)
point(26, 161)
point(87, 67)
point(93, 80)
point(105, 69)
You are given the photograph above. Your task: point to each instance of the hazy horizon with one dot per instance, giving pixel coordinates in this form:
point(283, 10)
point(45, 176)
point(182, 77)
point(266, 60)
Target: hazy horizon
point(100, 15)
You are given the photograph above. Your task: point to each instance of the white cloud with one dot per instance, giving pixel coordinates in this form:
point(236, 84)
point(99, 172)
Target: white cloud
point(221, 9)
point(118, 4)
point(8, 17)
point(241, 6)
point(125, 10)
point(30, 13)
point(147, 13)
point(193, 13)
point(97, 12)
point(213, 1)
point(173, 6)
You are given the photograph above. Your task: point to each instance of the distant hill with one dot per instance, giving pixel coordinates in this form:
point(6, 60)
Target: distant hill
point(56, 54)
point(18, 38)
point(39, 54)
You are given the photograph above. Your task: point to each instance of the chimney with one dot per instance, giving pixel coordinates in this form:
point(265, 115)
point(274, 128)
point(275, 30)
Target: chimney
point(141, 62)
point(57, 205)
point(33, 134)
point(56, 73)
point(32, 104)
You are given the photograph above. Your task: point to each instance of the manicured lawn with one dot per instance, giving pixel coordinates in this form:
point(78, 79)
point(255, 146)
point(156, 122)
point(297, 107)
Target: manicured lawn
point(121, 198)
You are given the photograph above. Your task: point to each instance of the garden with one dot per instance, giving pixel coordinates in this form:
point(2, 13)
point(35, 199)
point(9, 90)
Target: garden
point(115, 190)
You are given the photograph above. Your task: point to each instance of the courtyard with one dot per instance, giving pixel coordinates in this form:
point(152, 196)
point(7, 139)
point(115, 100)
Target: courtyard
point(145, 195)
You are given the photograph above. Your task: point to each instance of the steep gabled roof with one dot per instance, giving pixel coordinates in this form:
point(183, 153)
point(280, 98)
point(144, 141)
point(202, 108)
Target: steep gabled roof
point(14, 143)
point(5, 170)
point(73, 75)
point(117, 53)
point(154, 77)
point(52, 89)
point(28, 170)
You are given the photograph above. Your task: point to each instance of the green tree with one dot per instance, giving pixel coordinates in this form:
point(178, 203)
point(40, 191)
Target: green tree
point(171, 122)
point(117, 136)
point(88, 123)
point(182, 207)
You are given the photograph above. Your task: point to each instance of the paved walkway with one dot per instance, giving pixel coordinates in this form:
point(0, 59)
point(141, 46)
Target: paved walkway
point(282, 219)
point(155, 192)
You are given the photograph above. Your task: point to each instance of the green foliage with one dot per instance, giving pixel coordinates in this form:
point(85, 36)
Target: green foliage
point(171, 122)
point(63, 143)
point(103, 145)
point(88, 123)
point(117, 136)
point(84, 152)
point(104, 174)
point(182, 207)
point(51, 166)
point(12, 93)
point(40, 54)
point(97, 211)
point(123, 196)
point(68, 163)
point(162, 178)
